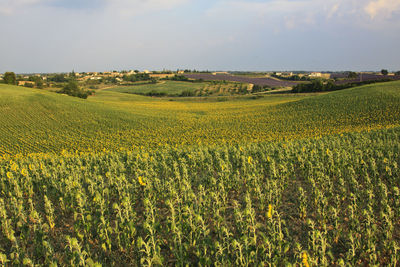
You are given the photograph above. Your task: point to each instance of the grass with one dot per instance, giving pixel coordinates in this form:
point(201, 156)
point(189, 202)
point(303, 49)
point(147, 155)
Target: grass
point(38, 121)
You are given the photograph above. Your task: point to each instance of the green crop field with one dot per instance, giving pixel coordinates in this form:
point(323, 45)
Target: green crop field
point(331, 201)
point(38, 121)
point(167, 87)
point(122, 179)
point(176, 88)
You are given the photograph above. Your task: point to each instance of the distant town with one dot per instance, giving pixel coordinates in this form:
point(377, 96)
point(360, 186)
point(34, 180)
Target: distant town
point(122, 77)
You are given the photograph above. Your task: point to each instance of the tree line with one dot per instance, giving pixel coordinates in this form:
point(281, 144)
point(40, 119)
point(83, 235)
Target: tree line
point(326, 86)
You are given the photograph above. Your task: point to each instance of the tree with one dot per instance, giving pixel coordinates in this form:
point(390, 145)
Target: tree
point(384, 72)
point(352, 75)
point(397, 72)
point(37, 80)
point(58, 78)
point(10, 78)
point(72, 89)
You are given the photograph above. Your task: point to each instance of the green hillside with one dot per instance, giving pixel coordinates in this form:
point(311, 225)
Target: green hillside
point(39, 121)
point(197, 181)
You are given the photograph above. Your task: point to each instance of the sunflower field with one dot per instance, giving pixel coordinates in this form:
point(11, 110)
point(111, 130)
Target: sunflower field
point(313, 202)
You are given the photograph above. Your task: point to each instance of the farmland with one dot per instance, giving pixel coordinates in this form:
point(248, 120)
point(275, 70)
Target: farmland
point(122, 179)
point(178, 88)
point(368, 77)
point(38, 121)
point(321, 202)
point(243, 79)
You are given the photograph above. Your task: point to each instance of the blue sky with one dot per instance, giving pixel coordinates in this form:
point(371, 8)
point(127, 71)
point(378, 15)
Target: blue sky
point(100, 35)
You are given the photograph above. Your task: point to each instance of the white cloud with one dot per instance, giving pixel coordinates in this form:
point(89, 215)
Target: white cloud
point(289, 14)
point(277, 13)
point(382, 8)
point(8, 7)
point(333, 10)
point(124, 7)
point(134, 7)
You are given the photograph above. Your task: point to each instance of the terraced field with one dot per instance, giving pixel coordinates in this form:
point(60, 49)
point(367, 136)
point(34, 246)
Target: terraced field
point(39, 121)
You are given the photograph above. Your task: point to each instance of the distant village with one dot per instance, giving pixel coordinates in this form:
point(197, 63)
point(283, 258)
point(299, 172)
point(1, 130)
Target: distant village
point(120, 77)
point(114, 76)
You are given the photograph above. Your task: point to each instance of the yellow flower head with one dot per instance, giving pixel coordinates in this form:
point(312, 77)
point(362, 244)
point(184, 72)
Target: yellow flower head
point(141, 181)
point(9, 175)
point(249, 159)
point(305, 259)
point(269, 214)
point(24, 172)
point(14, 167)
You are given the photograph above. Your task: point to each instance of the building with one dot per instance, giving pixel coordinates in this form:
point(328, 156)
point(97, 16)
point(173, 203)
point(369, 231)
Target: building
point(285, 74)
point(23, 83)
point(319, 75)
point(220, 72)
point(315, 74)
point(161, 75)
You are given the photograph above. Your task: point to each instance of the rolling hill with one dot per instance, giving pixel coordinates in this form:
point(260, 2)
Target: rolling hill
point(39, 121)
point(324, 192)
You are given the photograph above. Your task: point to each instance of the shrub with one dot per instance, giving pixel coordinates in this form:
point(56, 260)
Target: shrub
point(29, 85)
point(72, 89)
point(187, 93)
point(179, 78)
point(156, 93)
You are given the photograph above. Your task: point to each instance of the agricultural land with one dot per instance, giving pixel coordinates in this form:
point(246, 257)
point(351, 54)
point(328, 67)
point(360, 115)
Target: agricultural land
point(200, 170)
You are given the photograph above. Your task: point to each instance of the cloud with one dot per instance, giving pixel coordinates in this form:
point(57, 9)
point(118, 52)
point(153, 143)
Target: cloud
point(76, 4)
point(333, 10)
point(8, 7)
point(128, 7)
point(382, 8)
point(297, 14)
point(276, 13)
point(134, 7)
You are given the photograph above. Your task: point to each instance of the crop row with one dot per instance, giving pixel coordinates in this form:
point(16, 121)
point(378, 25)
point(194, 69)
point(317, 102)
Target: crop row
point(49, 125)
point(256, 81)
point(316, 202)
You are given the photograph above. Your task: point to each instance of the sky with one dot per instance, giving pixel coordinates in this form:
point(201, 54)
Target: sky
point(244, 35)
